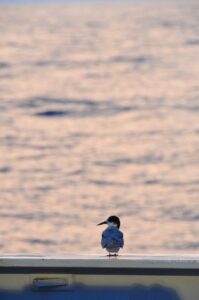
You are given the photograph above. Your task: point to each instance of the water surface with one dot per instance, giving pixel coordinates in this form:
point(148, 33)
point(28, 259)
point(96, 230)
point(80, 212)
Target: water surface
point(99, 116)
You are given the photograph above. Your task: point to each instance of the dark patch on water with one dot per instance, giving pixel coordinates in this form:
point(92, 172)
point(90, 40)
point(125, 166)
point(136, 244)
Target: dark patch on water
point(80, 135)
point(97, 75)
point(64, 64)
point(40, 241)
point(131, 59)
point(181, 183)
point(47, 107)
point(15, 215)
point(145, 159)
point(53, 113)
point(107, 183)
point(41, 101)
point(4, 65)
point(5, 169)
point(193, 42)
point(95, 24)
point(191, 217)
point(181, 213)
point(37, 102)
point(40, 216)
point(75, 173)
point(6, 76)
point(22, 216)
point(106, 164)
point(189, 245)
point(152, 181)
point(10, 138)
point(80, 108)
point(167, 24)
point(86, 63)
point(140, 160)
point(192, 108)
point(45, 188)
point(43, 63)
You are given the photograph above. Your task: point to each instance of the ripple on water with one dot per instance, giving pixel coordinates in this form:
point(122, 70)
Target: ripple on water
point(80, 108)
point(4, 65)
point(5, 169)
point(192, 42)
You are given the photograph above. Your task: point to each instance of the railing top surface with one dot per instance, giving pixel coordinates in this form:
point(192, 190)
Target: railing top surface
point(101, 261)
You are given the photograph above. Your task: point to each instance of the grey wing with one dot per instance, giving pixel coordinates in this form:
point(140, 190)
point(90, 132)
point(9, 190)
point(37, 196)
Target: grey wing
point(121, 240)
point(103, 241)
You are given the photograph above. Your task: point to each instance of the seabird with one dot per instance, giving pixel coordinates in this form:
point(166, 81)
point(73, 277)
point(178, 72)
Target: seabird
point(112, 237)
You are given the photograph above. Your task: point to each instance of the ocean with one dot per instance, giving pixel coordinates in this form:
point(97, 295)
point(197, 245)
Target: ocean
point(99, 116)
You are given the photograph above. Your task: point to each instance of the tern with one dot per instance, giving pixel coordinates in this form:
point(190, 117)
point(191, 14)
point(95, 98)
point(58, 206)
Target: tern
point(112, 237)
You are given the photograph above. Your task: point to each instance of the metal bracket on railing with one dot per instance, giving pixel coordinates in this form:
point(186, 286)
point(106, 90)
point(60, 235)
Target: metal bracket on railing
point(51, 284)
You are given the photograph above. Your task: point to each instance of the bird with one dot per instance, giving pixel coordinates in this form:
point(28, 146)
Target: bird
point(112, 237)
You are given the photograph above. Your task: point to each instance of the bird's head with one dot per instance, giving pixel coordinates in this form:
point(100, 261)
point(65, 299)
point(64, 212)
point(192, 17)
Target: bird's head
point(112, 221)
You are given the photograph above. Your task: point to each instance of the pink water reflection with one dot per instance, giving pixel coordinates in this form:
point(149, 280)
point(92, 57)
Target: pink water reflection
point(99, 117)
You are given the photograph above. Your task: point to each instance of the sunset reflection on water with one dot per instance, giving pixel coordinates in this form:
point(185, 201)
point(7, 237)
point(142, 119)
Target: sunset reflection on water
point(99, 116)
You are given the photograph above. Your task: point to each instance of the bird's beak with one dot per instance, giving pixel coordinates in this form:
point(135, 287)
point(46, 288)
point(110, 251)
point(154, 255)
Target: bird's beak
point(105, 222)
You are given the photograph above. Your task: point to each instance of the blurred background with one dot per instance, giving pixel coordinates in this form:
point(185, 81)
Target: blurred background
point(99, 115)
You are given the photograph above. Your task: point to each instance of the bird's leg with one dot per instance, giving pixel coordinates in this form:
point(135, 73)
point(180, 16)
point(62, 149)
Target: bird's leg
point(111, 255)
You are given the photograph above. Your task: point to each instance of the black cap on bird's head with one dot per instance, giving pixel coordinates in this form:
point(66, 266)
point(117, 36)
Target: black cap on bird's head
point(112, 219)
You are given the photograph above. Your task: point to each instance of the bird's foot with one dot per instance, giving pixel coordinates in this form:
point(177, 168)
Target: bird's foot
point(112, 255)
